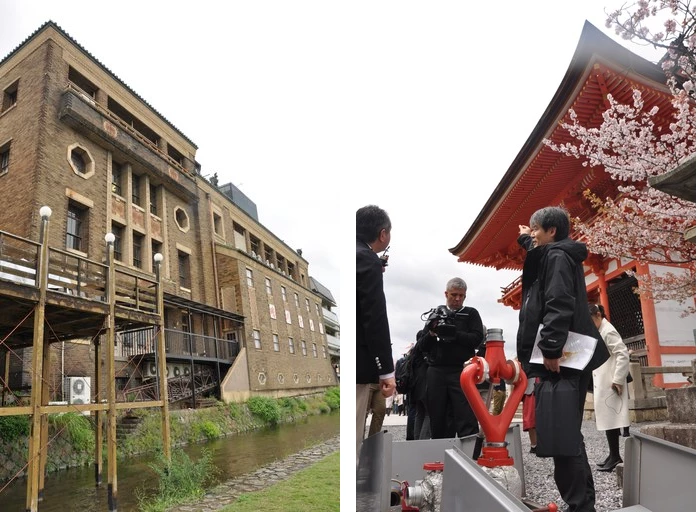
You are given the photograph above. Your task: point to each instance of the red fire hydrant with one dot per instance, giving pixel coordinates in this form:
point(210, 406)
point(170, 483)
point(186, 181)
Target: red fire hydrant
point(493, 368)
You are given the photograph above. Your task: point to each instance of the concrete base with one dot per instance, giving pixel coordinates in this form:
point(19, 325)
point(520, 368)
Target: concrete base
point(682, 434)
point(681, 405)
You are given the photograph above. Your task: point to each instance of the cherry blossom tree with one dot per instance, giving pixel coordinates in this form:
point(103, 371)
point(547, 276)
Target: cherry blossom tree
point(632, 145)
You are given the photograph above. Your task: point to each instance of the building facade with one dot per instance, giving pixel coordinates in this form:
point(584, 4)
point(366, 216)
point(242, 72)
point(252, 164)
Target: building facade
point(239, 305)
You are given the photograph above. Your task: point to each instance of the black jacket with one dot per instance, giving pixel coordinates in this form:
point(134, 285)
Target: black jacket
point(373, 345)
point(453, 354)
point(554, 295)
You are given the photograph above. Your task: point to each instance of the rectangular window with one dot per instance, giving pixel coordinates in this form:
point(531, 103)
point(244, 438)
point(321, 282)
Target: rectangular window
point(117, 231)
point(314, 350)
point(9, 97)
point(268, 256)
point(76, 78)
point(291, 271)
point(257, 339)
point(116, 177)
point(276, 345)
point(291, 346)
point(156, 248)
point(218, 224)
point(283, 294)
point(324, 351)
point(153, 200)
point(138, 241)
point(317, 308)
point(268, 285)
point(303, 347)
point(250, 281)
point(254, 246)
point(184, 270)
point(307, 304)
point(135, 189)
point(297, 300)
point(5, 158)
point(76, 227)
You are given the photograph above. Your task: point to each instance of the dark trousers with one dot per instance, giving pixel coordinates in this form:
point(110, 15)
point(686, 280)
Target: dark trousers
point(422, 425)
point(573, 475)
point(445, 395)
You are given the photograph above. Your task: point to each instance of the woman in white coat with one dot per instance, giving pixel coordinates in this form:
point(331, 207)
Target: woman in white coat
point(610, 396)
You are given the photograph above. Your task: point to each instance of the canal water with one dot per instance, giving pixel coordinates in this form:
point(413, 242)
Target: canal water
point(73, 490)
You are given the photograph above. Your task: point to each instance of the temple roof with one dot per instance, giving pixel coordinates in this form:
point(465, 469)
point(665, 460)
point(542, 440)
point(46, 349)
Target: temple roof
point(540, 177)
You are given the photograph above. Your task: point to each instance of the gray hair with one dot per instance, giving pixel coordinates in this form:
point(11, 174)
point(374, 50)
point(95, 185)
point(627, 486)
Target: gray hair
point(456, 283)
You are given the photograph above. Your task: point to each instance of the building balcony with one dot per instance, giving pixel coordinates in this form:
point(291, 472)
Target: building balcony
point(179, 345)
point(106, 129)
point(333, 344)
point(331, 320)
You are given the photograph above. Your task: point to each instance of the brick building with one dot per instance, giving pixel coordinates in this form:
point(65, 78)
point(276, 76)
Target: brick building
point(238, 301)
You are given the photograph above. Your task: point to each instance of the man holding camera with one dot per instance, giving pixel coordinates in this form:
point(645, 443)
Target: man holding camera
point(452, 334)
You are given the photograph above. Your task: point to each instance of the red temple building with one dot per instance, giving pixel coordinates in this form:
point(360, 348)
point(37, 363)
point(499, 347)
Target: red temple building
point(657, 333)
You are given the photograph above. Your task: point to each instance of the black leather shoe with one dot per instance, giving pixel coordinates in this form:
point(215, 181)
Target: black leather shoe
point(601, 464)
point(610, 465)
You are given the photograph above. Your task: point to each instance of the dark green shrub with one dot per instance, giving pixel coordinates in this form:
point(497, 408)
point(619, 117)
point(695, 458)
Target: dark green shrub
point(332, 397)
point(14, 427)
point(78, 427)
point(265, 408)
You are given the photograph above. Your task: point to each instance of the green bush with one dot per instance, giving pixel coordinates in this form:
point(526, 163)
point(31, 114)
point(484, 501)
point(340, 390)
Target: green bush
point(78, 427)
point(180, 480)
point(324, 408)
point(14, 427)
point(332, 397)
point(265, 408)
point(209, 429)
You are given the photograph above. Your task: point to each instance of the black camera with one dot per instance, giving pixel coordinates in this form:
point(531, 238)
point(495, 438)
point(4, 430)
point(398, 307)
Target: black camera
point(442, 321)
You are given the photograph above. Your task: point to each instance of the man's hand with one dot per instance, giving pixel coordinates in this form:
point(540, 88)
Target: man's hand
point(523, 230)
point(551, 364)
point(387, 387)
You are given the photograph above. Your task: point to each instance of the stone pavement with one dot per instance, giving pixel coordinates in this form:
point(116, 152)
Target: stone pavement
point(224, 494)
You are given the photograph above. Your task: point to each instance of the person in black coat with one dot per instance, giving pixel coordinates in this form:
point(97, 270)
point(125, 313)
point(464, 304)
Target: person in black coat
point(555, 302)
point(374, 363)
point(451, 336)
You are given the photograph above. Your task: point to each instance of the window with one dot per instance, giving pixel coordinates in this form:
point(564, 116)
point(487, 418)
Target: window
point(291, 270)
point(283, 294)
point(82, 82)
point(268, 285)
point(116, 177)
point(138, 241)
point(5, 158)
point(250, 281)
point(291, 346)
point(9, 97)
point(184, 270)
point(276, 345)
point(182, 219)
point(76, 227)
point(303, 347)
point(317, 308)
point(135, 189)
point(324, 351)
point(307, 304)
point(117, 231)
point(254, 245)
point(257, 339)
point(268, 256)
point(218, 224)
point(297, 300)
point(153, 200)
point(80, 161)
point(314, 350)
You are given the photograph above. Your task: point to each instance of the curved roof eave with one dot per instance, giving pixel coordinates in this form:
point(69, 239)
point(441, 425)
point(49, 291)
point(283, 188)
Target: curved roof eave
point(592, 43)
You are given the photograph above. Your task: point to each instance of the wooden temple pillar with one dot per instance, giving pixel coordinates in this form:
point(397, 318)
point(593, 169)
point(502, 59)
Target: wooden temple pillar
point(112, 490)
point(162, 360)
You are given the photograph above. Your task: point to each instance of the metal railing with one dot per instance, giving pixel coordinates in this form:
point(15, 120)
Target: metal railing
point(177, 344)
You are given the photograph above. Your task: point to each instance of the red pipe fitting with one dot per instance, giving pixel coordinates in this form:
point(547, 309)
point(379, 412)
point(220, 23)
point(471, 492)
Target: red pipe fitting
point(493, 368)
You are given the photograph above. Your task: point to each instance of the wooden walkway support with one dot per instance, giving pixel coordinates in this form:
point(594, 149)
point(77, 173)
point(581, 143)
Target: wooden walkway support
point(71, 297)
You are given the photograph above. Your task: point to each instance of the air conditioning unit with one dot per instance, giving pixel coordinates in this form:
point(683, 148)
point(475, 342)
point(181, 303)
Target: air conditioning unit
point(150, 369)
point(176, 371)
point(78, 389)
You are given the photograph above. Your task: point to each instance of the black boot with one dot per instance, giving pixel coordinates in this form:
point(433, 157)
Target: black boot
point(613, 441)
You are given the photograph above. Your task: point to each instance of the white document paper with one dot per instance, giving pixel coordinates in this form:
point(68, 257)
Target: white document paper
point(577, 351)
